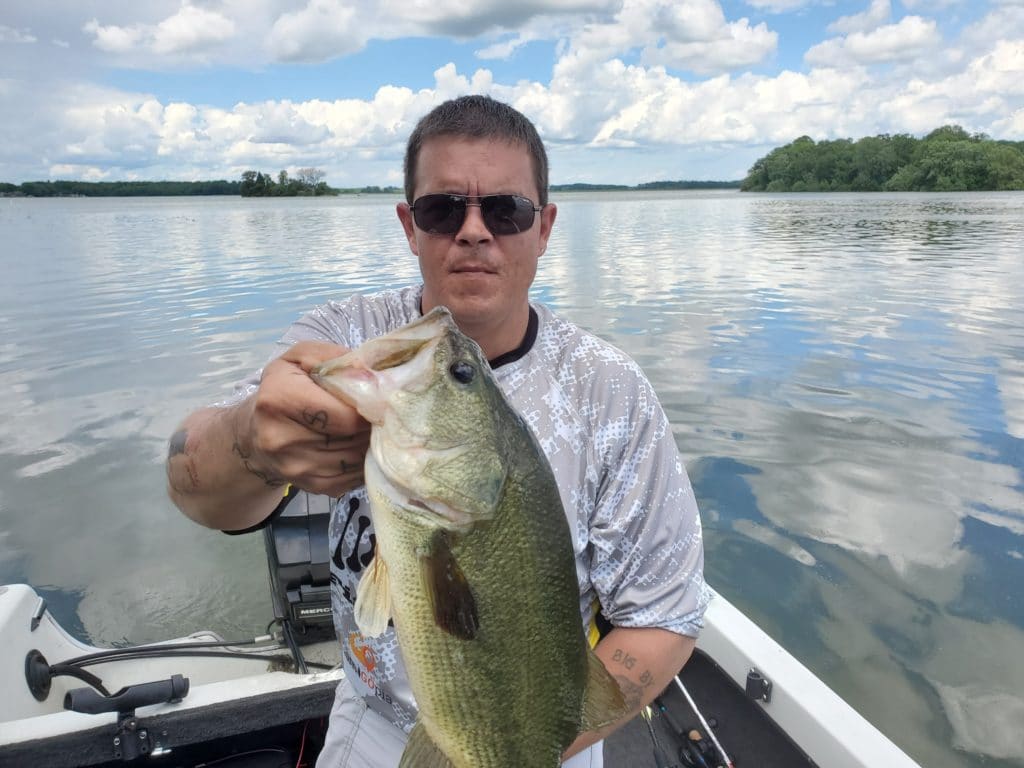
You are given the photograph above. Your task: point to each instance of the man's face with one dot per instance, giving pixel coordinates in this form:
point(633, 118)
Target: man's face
point(482, 278)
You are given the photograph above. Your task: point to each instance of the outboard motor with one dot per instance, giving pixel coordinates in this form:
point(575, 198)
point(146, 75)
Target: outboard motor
point(298, 556)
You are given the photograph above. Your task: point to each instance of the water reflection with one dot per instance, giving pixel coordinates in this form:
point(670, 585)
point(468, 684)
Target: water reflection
point(844, 375)
point(842, 372)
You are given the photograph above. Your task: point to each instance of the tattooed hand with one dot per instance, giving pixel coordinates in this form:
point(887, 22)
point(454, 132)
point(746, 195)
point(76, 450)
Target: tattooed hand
point(293, 431)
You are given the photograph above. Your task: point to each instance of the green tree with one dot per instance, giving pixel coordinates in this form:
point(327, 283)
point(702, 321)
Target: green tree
point(947, 159)
point(249, 184)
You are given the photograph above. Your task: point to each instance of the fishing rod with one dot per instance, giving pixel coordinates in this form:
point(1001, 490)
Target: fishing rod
point(661, 760)
point(707, 728)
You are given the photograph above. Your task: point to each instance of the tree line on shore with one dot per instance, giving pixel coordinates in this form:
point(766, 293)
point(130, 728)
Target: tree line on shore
point(62, 188)
point(948, 159)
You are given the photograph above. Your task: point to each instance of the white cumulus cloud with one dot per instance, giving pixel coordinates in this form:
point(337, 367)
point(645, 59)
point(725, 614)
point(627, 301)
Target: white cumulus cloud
point(908, 39)
point(876, 15)
point(189, 30)
point(695, 36)
point(324, 29)
point(778, 6)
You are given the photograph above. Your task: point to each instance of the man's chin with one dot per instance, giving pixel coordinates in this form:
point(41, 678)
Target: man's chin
point(471, 311)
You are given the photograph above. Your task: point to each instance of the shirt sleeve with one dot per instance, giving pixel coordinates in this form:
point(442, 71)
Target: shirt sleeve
point(647, 549)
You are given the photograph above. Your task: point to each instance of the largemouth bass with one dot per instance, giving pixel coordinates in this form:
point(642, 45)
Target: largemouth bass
point(474, 560)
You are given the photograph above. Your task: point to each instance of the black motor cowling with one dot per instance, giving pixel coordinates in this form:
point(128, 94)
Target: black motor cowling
point(298, 555)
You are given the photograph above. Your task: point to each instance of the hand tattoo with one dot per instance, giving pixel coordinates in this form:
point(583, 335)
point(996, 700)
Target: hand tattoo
point(318, 419)
point(271, 480)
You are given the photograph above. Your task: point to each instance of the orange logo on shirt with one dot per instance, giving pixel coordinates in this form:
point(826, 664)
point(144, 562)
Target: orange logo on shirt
point(362, 651)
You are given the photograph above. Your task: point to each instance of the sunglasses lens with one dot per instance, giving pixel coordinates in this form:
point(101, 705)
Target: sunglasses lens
point(444, 214)
point(440, 214)
point(507, 214)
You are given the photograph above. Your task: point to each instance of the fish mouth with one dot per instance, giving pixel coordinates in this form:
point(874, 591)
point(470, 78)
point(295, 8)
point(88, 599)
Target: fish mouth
point(393, 349)
point(361, 377)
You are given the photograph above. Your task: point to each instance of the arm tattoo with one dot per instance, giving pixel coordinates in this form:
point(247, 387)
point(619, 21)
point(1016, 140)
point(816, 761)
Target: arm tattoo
point(177, 443)
point(271, 480)
point(186, 464)
point(632, 691)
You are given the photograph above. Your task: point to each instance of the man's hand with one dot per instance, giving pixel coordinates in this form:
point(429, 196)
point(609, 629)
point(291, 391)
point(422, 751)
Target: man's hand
point(226, 466)
point(293, 431)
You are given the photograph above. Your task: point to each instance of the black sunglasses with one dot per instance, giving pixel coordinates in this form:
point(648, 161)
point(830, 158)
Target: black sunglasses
point(443, 214)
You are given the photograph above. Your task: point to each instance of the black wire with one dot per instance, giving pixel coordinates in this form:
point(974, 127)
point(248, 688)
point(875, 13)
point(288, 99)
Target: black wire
point(58, 670)
point(158, 653)
point(146, 649)
point(660, 758)
point(73, 667)
point(293, 646)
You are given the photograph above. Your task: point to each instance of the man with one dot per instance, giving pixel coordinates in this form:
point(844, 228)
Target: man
point(478, 219)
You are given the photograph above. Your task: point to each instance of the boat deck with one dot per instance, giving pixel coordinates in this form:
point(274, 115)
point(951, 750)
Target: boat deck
point(745, 732)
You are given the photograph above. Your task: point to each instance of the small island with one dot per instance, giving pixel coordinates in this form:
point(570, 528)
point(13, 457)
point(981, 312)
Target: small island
point(948, 159)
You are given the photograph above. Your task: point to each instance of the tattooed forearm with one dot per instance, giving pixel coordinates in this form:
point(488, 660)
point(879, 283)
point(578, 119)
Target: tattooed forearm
point(271, 480)
point(632, 693)
point(633, 686)
point(181, 468)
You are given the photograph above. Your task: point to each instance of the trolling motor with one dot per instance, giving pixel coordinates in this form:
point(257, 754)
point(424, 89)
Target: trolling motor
point(298, 557)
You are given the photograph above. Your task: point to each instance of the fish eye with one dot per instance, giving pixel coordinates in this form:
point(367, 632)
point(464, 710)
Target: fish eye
point(462, 372)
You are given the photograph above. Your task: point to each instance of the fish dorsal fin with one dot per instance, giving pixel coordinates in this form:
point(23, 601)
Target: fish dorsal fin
point(373, 599)
point(422, 752)
point(450, 595)
point(603, 702)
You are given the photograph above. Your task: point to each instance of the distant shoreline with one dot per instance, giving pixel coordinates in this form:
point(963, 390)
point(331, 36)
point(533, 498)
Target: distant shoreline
point(62, 188)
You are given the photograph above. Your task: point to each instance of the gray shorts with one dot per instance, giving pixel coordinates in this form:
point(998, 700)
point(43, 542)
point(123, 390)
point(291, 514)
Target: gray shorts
point(357, 737)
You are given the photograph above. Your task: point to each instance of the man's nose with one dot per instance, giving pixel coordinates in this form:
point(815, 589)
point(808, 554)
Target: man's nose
point(473, 229)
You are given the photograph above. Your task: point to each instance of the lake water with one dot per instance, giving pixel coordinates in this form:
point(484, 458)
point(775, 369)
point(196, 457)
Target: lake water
point(844, 373)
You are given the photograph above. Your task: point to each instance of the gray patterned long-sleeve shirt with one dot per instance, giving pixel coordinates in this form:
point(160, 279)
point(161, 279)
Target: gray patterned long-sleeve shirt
point(634, 521)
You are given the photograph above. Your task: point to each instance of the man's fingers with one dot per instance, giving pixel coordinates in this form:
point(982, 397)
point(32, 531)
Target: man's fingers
point(309, 354)
point(301, 400)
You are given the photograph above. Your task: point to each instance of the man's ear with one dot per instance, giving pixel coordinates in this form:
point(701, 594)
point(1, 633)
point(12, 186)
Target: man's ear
point(547, 221)
point(405, 216)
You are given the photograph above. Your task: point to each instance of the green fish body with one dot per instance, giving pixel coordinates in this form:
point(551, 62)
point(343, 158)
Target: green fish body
point(474, 560)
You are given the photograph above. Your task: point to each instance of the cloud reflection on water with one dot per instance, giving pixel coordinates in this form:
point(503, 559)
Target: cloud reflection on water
point(843, 373)
point(856, 358)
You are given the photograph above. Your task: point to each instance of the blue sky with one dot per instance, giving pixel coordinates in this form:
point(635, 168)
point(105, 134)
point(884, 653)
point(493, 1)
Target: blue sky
point(623, 91)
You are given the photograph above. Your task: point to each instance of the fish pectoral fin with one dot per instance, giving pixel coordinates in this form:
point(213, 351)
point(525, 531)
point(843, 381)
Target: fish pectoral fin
point(422, 752)
point(603, 702)
point(373, 599)
point(451, 597)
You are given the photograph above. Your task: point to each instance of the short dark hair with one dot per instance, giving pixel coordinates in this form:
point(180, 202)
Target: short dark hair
point(477, 117)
